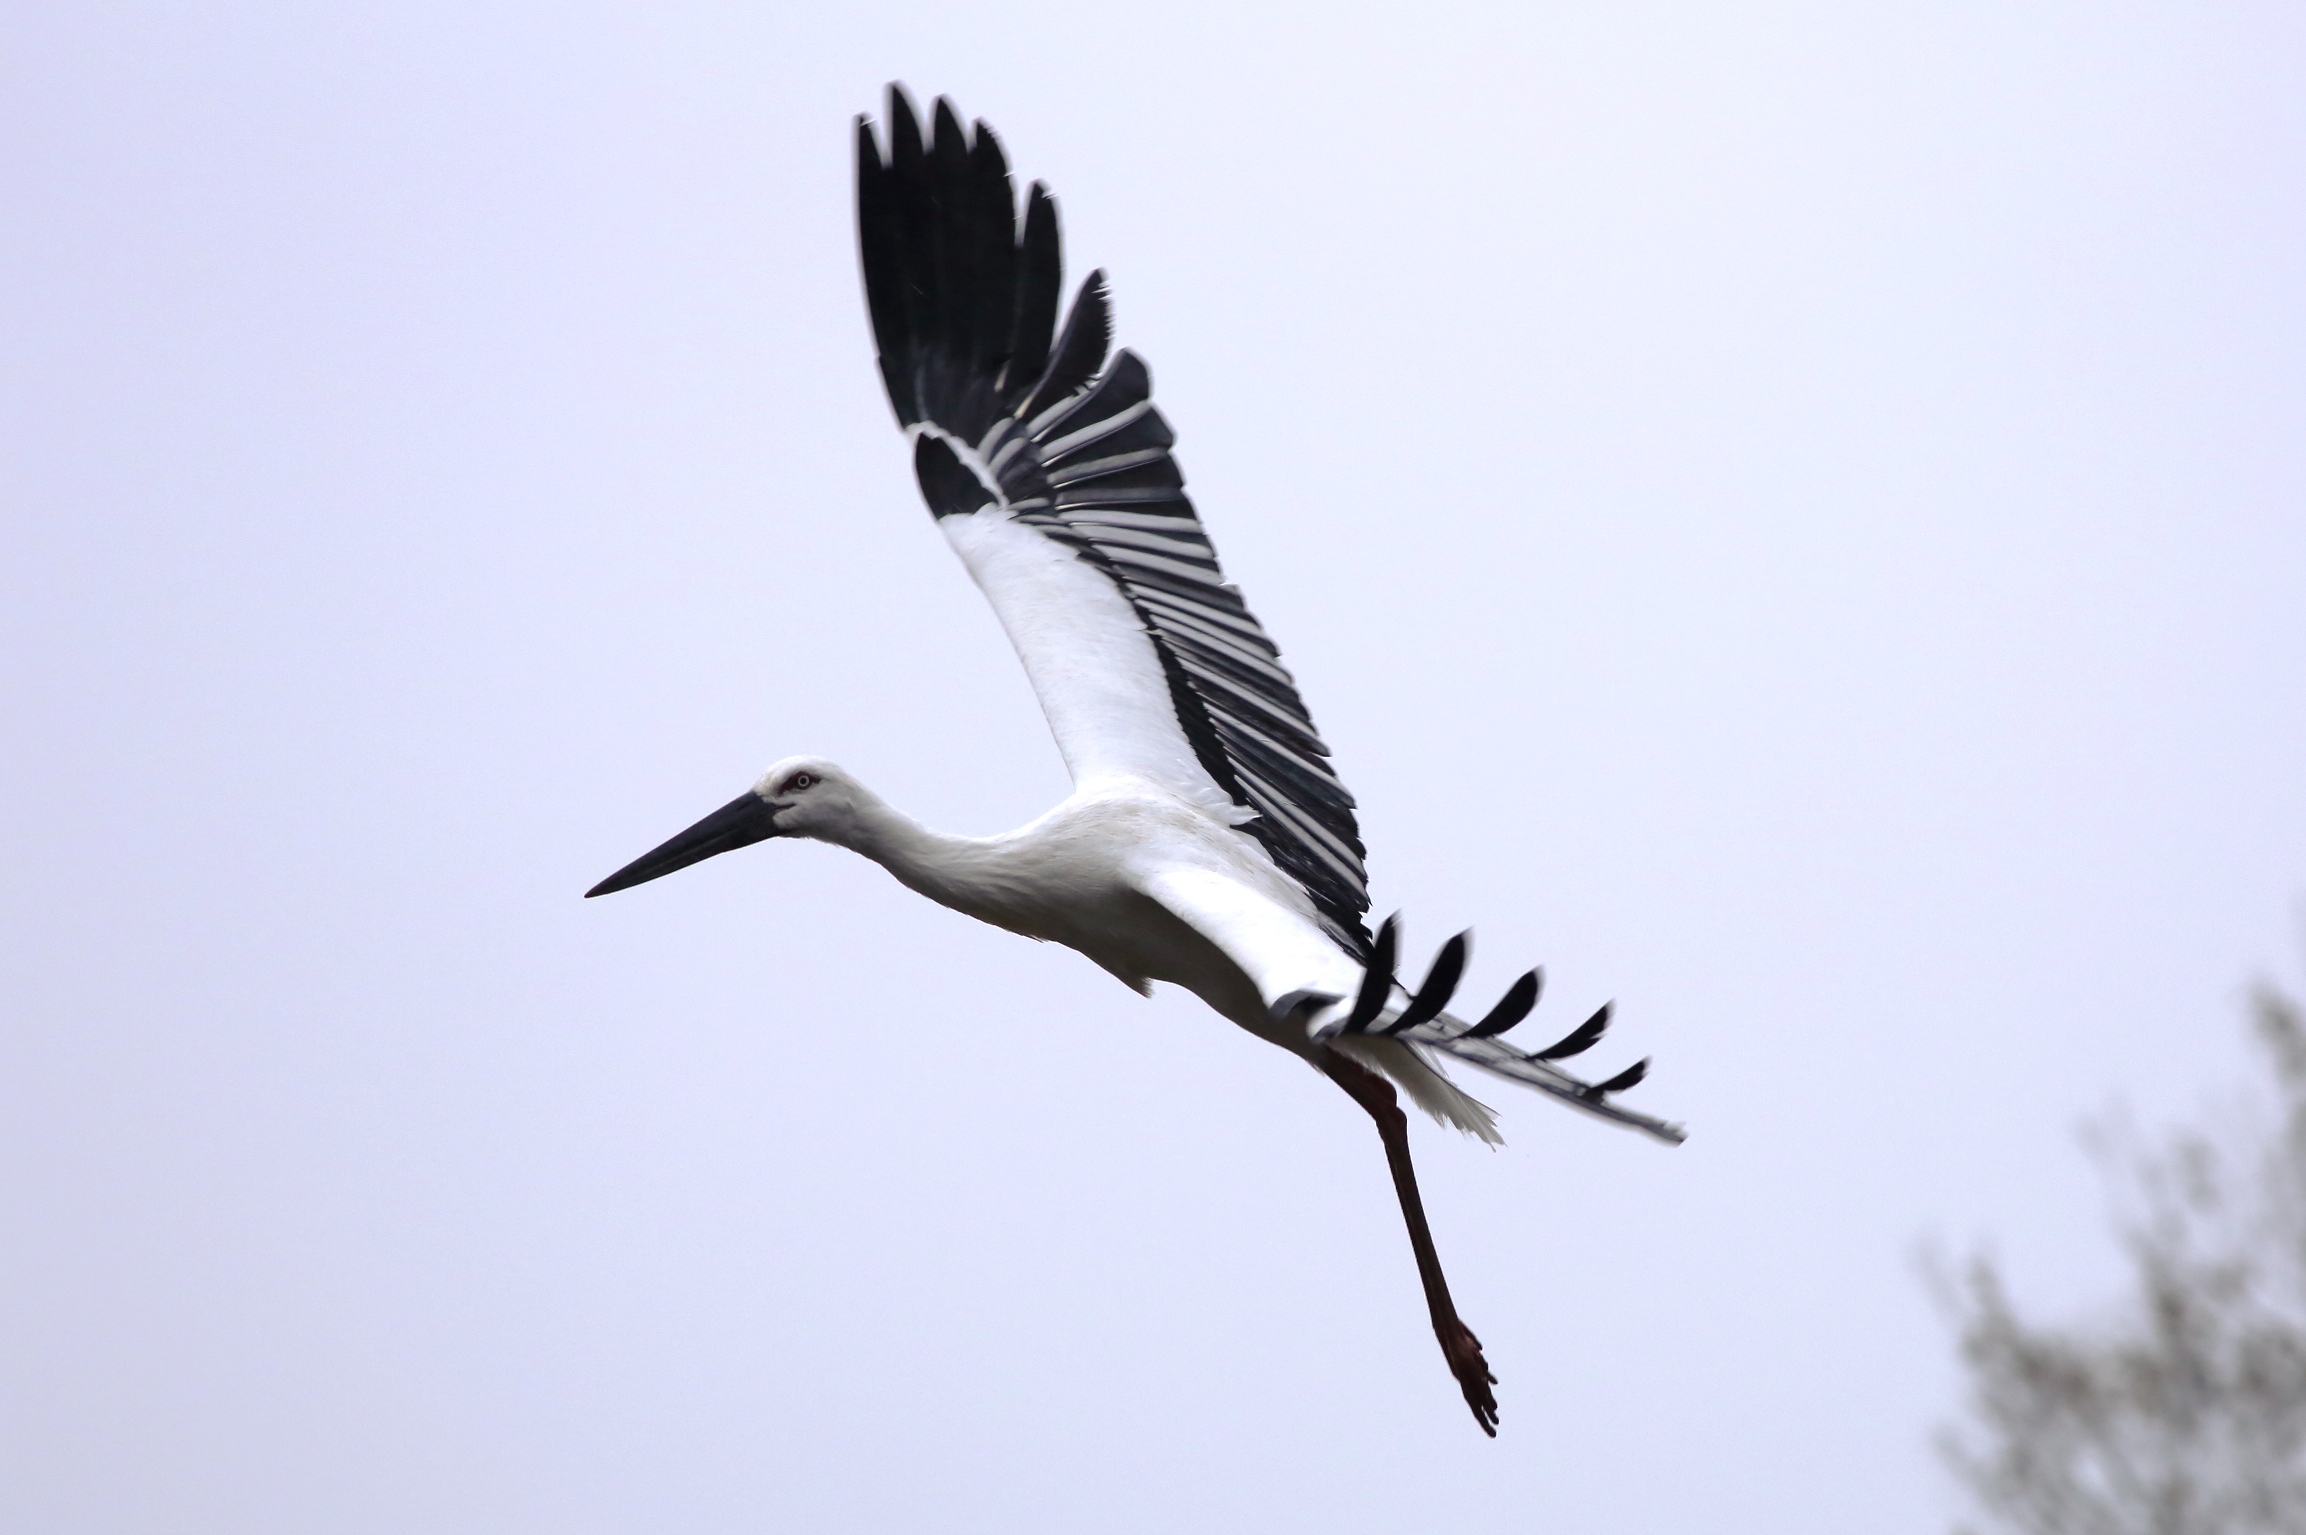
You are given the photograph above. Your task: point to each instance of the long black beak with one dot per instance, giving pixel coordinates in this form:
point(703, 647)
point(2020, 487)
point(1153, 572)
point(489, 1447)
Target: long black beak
point(741, 822)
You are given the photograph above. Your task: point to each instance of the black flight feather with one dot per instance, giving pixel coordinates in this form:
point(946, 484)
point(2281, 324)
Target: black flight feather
point(1440, 985)
point(953, 303)
point(1578, 1040)
point(1623, 1079)
point(1080, 351)
point(1376, 980)
point(880, 250)
point(1040, 284)
point(995, 217)
point(1511, 1008)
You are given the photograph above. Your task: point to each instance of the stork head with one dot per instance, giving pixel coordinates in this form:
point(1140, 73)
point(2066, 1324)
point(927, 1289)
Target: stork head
point(799, 797)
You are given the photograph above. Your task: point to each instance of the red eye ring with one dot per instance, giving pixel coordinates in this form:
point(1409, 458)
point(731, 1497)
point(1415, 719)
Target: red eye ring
point(801, 781)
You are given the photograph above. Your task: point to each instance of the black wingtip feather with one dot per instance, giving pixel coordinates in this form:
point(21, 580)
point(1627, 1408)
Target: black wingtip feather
point(1511, 1008)
point(993, 209)
point(1623, 1080)
point(1578, 1040)
point(904, 123)
point(1080, 351)
point(881, 251)
point(1040, 285)
point(1439, 986)
point(1376, 979)
point(949, 277)
point(946, 124)
point(951, 286)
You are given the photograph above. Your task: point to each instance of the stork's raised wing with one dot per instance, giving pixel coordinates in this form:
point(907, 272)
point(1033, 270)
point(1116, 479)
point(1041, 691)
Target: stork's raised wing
point(1051, 474)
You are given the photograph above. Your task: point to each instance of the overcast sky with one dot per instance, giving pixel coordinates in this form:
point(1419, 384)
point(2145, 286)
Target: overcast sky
point(1792, 515)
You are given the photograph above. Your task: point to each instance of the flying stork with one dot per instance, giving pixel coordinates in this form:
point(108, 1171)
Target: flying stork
point(1207, 842)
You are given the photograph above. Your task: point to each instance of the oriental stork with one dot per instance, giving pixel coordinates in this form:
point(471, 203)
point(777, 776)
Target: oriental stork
point(1207, 842)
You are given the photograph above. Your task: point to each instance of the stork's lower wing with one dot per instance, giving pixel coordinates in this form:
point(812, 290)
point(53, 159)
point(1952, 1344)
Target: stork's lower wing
point(1282, 953)
point(1051, 474)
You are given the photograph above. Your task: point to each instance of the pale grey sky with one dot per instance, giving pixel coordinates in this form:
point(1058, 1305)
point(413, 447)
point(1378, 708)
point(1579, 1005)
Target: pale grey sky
point(1792, 515)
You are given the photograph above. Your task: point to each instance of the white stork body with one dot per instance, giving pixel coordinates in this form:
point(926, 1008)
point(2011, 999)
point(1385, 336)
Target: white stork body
point(1149, 887)
point(1207, 843)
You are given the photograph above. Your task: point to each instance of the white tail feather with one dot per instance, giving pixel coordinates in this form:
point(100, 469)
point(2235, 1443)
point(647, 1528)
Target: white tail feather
point(1413, 1071)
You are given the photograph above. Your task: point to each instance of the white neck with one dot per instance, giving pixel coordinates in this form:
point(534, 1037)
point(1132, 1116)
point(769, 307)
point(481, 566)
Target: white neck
point(960, 872)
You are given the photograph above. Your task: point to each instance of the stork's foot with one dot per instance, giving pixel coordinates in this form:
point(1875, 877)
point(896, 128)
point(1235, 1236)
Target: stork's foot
point(1463, 1351)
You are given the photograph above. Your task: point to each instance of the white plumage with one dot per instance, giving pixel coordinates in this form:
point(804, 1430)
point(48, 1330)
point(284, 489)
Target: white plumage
point(1206, 843)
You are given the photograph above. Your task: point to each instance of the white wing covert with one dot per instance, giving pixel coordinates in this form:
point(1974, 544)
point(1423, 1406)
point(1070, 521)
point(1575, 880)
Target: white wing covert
point(1051, 475)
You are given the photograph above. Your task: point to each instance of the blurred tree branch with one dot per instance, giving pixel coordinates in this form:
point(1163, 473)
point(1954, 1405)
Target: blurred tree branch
point(2185, 1412)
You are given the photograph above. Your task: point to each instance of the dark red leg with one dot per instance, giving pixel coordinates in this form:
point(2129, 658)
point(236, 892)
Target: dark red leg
point(1458, 1344)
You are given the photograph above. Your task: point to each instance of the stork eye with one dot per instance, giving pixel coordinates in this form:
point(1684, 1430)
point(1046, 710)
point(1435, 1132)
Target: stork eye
point(800, 781)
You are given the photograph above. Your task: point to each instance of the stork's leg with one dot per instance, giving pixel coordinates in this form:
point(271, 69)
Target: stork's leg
point(1458, 1344)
